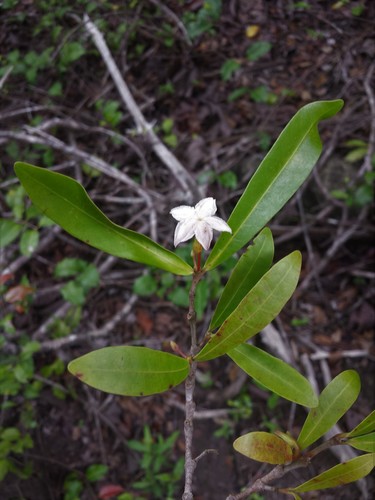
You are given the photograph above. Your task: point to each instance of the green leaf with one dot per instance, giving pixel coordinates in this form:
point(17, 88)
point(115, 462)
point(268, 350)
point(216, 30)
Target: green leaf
point(264, 447)
point(257, 309)
point(96, 472)
point(356, 154)
point(145, 285)
point(69, 267)
point(73, 293)
point(248, 271)
point(346, 472)
point(229, 67)
point(70, 52)
point(263, 94)
point(228, 179)
point(367, 425)
point(334, 401)
point(29, 242)
point(281, 173)
point(9, 231)
point(257, 50)
point(274, 374)
point(66, 202)
point(179, 297)
point(364, 443)
point(130, 371)
point(237, 93)
point(89, 278)
point(56, 89)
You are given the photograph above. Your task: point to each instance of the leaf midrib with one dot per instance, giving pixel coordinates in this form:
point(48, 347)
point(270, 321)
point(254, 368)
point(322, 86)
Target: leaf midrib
point(322, 415)
point(117, 229)
point(235, 232)
point(251, 315)
point(275, 375)
point(242, 282)
point(135, 372)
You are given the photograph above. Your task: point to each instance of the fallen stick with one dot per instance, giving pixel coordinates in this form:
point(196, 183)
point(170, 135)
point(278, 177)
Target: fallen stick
point(185, 180)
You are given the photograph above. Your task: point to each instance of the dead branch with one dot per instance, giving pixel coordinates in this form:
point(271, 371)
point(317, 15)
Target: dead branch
point(185, 180)
point(33, 135)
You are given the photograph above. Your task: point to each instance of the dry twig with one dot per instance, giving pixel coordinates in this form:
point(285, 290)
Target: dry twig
point(185, 180)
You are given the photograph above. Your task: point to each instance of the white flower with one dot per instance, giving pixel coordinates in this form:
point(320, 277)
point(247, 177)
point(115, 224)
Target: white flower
point(198, 221)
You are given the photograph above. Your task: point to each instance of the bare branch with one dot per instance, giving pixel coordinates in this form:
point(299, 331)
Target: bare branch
point(5, 76)
point(33, 135)
point(185, 180)
point(371, 100)
point(341, 237)
point(100, 332)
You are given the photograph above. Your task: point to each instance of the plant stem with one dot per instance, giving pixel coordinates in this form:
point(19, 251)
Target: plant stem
point(279, 471)
point(190, 462)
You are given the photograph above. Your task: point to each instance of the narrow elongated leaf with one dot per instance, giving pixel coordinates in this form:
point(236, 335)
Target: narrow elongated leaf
point(367, 425)
point(334, 401)
point(344, 473)
point(130, 371)
point(264, 447)
point(278, 177)
point(274, 374)
point(250, 268)
point(364, 443)
point(258, 308)
point(66, 202)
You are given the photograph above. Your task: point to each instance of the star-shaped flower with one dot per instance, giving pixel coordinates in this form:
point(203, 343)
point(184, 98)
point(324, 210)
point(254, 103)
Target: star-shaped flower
point(198, 221)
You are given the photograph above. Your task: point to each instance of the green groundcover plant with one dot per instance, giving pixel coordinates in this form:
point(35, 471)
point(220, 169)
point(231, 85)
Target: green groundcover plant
point(254, 295)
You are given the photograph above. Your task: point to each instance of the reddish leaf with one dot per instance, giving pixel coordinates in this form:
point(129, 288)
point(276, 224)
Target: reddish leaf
point(144, 321)
point(110, 491)
point(18, 293)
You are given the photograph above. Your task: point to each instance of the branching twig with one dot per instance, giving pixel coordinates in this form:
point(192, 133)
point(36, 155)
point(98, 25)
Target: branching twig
point(100, 332)
point(23, 259)
point(174, 18)
point(182, 176)
point(341, 237)
point(35, 135)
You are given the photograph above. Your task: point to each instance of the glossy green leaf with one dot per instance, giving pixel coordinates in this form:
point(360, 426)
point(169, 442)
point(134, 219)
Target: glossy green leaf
point(364, 443)
point(264, 447)
point(367, 425)
point(276, 375)
point(334, 401)
point(257, 309)
point(66, 202)
point(344, 473)
point(281, 173)
point(130, 371)
point(250, 268)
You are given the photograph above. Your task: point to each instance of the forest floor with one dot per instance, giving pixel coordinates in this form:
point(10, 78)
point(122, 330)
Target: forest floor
point(220, 84)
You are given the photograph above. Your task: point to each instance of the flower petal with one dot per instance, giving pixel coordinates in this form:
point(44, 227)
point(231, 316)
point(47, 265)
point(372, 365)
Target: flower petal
point(184, 231)
point(203, 233)
point(205, 208)
point(182, 212)
point(218, 224)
